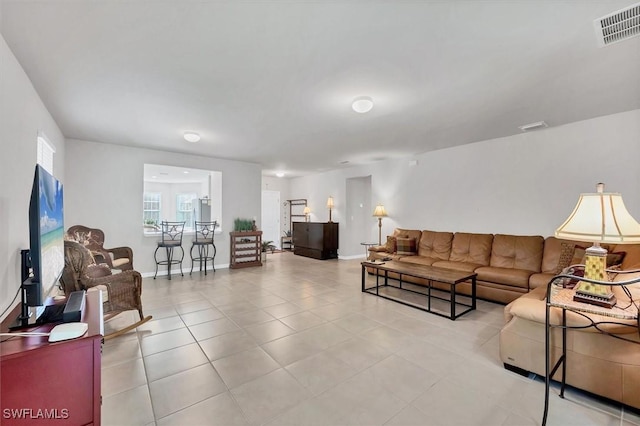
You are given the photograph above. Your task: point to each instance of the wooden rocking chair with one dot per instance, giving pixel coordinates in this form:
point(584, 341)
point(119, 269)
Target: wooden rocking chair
point(120, 292)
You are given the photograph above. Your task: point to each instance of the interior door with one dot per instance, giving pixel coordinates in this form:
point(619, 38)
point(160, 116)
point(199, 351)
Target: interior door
point(271, 217)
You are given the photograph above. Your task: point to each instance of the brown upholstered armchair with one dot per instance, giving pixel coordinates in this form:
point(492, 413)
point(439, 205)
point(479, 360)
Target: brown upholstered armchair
point(120, 292)
point(93, 239)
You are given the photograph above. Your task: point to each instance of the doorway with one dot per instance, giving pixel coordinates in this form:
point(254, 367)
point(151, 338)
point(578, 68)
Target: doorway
point(358, 215)
point(271, 217)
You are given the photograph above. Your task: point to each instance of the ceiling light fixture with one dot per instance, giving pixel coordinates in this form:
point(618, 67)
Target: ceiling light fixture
point(191, 137)
point(362, 104)
point(533, 126)
point(280, 174)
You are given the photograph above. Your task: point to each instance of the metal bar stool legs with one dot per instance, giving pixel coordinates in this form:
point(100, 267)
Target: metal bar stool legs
point(170, 260)
point(204, 237)
point(171, 238)
point(203, 256)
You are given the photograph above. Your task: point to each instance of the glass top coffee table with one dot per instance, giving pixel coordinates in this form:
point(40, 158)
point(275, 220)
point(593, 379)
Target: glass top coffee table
point(429, 273)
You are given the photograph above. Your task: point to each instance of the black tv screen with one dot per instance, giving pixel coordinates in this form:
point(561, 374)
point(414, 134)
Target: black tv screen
point(46, 233)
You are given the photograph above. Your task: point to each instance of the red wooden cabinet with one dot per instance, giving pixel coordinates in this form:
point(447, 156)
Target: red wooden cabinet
point(53, 383)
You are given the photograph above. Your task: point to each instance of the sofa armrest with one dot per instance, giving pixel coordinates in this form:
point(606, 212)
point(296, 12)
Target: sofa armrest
point(378, 249)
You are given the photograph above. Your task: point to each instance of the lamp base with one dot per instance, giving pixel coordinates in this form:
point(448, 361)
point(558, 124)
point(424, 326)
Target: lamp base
point(605, 300)
point(595, 265)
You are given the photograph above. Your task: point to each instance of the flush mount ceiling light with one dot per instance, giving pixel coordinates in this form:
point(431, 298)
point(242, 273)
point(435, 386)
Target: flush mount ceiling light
point(191, 137)
point(533, 126)
point(362, 104)
point(280, 174)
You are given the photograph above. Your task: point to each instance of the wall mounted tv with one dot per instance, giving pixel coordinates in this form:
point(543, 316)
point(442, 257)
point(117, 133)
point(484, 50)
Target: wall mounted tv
point(46, 242)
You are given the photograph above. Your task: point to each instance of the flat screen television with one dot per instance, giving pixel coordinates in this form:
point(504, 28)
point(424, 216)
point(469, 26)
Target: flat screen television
point(45, 258)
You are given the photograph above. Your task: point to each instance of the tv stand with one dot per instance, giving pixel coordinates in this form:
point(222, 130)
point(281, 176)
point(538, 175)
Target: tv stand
point(60, 380)
point(29, 294)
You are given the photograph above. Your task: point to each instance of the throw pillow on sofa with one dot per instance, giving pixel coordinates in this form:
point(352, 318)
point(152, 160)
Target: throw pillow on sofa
point(566, 256)
point(391, 244)
point(406, 246)
point(614, 258)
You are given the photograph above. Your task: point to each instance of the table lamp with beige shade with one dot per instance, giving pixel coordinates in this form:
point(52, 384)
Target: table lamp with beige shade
point(599, 217)
point(330, 205)
point(306, 212)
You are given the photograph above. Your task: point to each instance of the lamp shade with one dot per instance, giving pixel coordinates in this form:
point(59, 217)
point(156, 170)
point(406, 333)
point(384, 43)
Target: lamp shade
point(330, 204)
point(379, 211)
point(600, 218)
point(306, 210)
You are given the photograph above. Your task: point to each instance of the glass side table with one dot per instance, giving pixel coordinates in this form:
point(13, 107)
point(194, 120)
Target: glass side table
point(366, 249)
point(623, 314)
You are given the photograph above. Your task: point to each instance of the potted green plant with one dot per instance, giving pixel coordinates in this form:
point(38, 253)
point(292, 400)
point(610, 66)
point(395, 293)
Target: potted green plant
point(242, 225)
point(267, 245)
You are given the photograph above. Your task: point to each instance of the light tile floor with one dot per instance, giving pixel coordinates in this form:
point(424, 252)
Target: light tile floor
point(296, 342)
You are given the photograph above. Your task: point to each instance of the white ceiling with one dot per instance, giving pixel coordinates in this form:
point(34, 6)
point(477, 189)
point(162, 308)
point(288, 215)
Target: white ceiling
point(271, 82)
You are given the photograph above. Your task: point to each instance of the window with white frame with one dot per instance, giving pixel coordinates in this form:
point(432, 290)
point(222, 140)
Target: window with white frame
point(181, 194)
point(185, 208)
point(45, 153)
point(151, 210)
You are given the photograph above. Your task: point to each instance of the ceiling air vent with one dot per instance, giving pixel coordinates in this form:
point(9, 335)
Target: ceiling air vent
point(618, 26)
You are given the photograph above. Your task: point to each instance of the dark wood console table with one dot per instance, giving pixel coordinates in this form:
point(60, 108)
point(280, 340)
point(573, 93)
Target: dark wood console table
point(53, 383)
point(316, 239)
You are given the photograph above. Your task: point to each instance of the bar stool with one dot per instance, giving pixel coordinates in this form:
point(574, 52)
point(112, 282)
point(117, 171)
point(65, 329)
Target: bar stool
point(204, 239)
point(171, 238)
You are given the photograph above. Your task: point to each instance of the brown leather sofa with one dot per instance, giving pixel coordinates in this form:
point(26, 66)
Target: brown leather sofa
point(504, 263)
point(517, 270)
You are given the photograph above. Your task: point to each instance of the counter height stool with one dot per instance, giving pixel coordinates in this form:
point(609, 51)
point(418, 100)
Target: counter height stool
point(204, 239)
point(171, 238)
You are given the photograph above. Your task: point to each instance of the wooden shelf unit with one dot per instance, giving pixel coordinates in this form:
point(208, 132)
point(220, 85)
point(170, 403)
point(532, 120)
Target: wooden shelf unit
point(296, 204)
point(246, 249)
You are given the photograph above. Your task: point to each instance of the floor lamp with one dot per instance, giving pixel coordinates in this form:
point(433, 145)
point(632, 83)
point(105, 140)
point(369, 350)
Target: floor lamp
point(379, 212)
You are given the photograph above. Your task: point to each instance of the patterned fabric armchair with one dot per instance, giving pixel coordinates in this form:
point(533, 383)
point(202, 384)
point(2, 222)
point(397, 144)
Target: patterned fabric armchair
point(93, 239)
point(120, 292)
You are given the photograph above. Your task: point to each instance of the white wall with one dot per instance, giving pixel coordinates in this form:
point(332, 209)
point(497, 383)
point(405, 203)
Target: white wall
point(104, 190)
point(523, 184)
point(22, 114)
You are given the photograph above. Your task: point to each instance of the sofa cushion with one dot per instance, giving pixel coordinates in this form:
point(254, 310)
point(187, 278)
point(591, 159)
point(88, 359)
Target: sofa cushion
point(458, 266)
point(378, 248)
point(419, 260)
point(540, 279)
point(634, 289)
point(379, 255)
point(507, 276)
point(471, 248)
point(435, 244)
point(632, 258)
point(517, 252)
point(405, 246)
